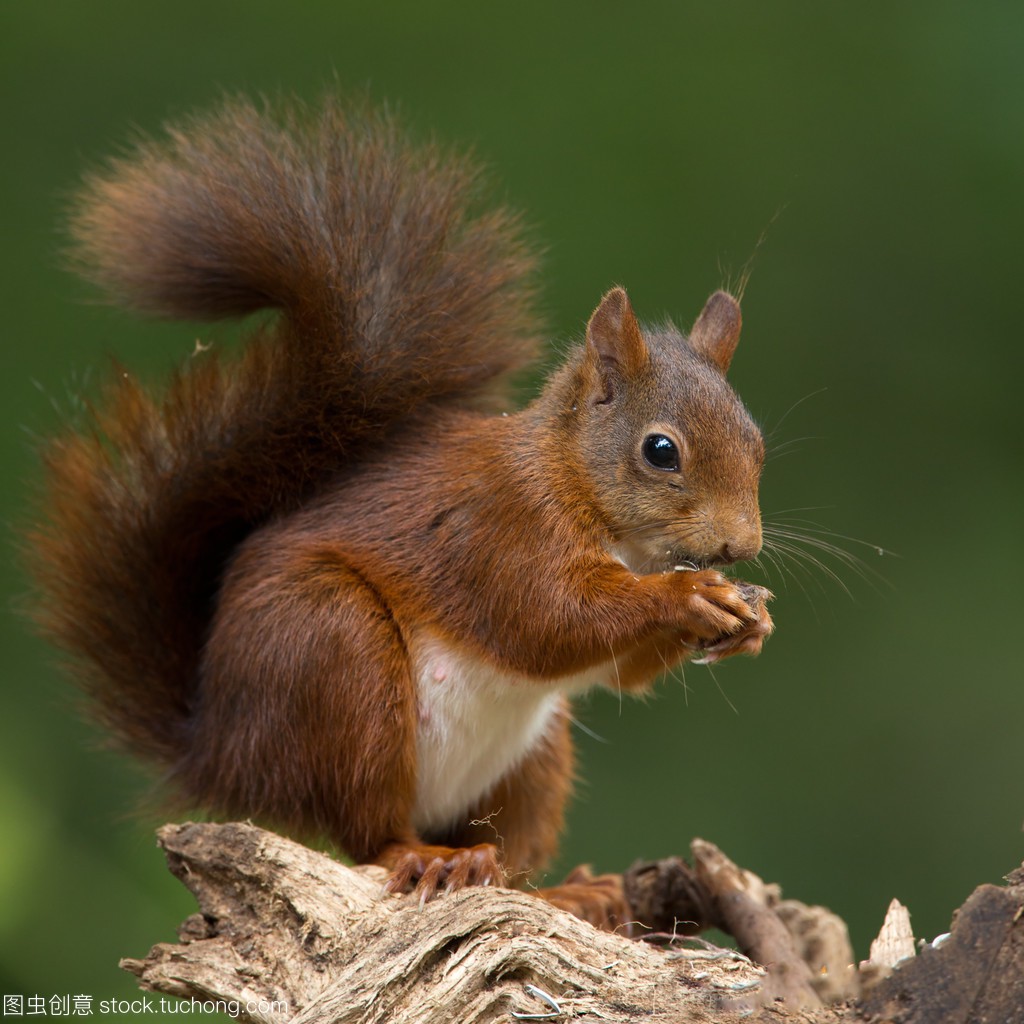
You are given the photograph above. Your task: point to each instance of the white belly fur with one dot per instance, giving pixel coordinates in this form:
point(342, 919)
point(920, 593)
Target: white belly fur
point(476, 723)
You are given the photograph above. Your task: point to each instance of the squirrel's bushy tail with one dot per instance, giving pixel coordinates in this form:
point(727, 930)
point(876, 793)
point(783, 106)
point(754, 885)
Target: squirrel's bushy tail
point(393, 294)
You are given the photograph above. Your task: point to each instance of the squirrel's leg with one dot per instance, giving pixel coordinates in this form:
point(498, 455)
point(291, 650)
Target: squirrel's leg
point(603, 612)
point(307, 670)
point(306, 714)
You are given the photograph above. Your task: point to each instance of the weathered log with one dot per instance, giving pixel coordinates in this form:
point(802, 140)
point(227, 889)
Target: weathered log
point(285, 934)
point(280, 924)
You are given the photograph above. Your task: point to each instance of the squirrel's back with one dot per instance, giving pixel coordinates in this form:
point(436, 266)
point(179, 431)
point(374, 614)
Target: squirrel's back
point(392, 294)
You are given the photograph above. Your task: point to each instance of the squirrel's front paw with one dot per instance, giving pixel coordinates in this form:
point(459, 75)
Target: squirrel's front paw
point(711, 607)
point(749, 638)
point(427, 870)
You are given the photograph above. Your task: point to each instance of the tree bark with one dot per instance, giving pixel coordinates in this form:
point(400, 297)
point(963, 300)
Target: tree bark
point(287, 934)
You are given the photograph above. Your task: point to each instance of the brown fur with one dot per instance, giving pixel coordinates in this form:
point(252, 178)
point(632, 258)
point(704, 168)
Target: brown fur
point(244, 566)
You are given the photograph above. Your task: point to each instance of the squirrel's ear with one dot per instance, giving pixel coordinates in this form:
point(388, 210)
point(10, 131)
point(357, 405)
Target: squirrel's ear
point(717, 329)
point(614, 338)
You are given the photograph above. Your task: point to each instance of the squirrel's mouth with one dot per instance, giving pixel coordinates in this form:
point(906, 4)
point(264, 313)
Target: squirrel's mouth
point(718, 555)
point(658, 551)
point(678, 561)
point(682, 564)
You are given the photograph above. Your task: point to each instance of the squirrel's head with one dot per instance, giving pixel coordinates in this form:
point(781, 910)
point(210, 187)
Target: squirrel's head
point(673, 456)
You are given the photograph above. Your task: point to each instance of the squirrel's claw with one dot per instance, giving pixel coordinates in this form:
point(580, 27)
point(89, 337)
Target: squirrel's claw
point(751, 637)
point(426, 871)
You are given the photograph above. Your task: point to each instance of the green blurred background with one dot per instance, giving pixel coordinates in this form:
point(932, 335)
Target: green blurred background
point(875, 749)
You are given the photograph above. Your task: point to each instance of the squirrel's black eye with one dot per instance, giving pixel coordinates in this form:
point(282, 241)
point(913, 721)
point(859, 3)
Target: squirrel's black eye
point(660, 452)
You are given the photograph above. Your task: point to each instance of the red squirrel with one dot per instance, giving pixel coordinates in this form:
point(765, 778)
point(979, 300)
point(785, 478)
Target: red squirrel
point(332, 583)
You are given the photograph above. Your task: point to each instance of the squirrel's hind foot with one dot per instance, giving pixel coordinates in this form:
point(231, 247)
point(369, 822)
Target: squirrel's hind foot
point(597, 899)
point(427, 870)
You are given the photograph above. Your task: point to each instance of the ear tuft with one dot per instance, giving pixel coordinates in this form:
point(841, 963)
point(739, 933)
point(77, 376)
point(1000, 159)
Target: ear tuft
point(717, 330)
point(614, 336)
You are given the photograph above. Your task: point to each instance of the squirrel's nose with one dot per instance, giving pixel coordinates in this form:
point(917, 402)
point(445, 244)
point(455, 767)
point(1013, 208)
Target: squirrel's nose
point(741, 546)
